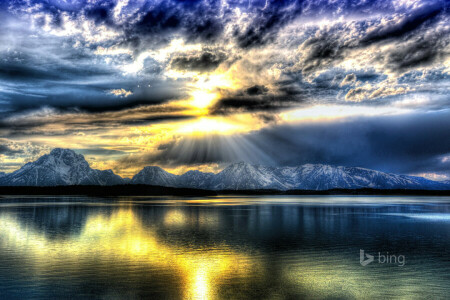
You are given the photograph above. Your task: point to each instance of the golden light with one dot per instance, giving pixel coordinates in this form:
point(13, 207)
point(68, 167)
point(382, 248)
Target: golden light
point(202, 99)
point(123, 235)
point(175, 218)
point(206, 125)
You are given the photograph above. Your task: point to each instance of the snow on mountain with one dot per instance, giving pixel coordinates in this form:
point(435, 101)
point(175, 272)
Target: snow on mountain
point(2, 174)
point(244, 176)
point(195, 179)
point(60, 167)
point(155, 176)
point(65, 167)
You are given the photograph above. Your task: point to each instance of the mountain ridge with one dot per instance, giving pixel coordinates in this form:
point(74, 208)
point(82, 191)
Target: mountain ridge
point(66, 167)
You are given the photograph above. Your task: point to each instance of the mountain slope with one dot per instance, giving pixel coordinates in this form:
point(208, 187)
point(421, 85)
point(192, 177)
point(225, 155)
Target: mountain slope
point(155, 176)
point(323, 177)
point(65, 167)
point(243, 176)
point(195, 179)
point(60, 167)
point(314, 177)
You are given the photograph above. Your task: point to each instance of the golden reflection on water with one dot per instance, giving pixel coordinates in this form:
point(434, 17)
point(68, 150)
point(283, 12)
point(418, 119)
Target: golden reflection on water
point(201, 271)
point(122, 235)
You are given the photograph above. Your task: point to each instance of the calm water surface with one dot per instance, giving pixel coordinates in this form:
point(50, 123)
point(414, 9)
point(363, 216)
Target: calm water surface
point(224, 247)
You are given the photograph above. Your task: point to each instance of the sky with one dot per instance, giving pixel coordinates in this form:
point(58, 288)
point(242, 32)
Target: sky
point(202, 84)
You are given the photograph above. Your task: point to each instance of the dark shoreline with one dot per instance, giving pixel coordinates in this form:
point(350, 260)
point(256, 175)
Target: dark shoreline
point(150, 190)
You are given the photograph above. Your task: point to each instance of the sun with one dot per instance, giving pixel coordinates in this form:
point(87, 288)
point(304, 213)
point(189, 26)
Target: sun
point(206, 125)
point(203, 99)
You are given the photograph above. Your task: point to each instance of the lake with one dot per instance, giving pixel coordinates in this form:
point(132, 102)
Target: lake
point(313, 247)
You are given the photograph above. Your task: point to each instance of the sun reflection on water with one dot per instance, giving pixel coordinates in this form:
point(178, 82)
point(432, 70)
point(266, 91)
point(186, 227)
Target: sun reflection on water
point(123, 236)
point(201, 249)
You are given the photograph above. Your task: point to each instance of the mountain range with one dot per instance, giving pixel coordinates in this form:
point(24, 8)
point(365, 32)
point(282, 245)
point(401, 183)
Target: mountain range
point(65, 167)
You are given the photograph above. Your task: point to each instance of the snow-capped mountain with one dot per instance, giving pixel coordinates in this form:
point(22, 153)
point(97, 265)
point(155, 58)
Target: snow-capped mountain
point(323, 177)
point(244, 176)
point(155, 176)
point(60, 167)
point(65, 167)
point(195, 179)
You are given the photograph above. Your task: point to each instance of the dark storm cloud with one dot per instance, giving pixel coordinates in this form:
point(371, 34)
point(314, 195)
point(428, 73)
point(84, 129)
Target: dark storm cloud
point(198, 20)
point(206, 61)
point(39, 69)
point(422, 51)
point(88, 98)
point(293, 91)
point(66, 122)
point(400, 144)
point(46, 67)
point(408, 23)
point(257, 98)
point(269, 17)
point(257, 90)
point(403, 144)
point(239, 104)
point(7, 150)
point(58, 75)
point(267, 21)
point(419, 47)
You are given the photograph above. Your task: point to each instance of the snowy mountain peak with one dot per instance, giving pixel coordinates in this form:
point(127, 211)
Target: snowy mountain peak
point(58, 152)
point(240, 165)
point(153, 169)
point(59, 167)
point(154, 175)
point(66, 167)
point(64, 157)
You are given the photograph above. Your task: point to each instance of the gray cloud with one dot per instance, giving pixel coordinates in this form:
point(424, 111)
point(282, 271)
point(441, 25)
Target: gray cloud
point(206, 61)
point(401, 144)
point(8, 150)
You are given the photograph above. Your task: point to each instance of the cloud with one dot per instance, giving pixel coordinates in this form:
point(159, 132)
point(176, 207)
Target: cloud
point(348, 80)
point(103, 67)
point(8, 150)
point(50, 121)
point(256, 99)
point(266, 22)
point(206, 61)
point(403, 144)
point(400, 144)
point(257, 90)
point(370, 92)
point(400, 26)
point(120, 92)
point(99, 151)
point(417, 38)
point(420, 51)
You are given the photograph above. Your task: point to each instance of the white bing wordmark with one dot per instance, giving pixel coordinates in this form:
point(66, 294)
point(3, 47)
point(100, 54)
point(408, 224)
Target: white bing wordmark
point(385, 258)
